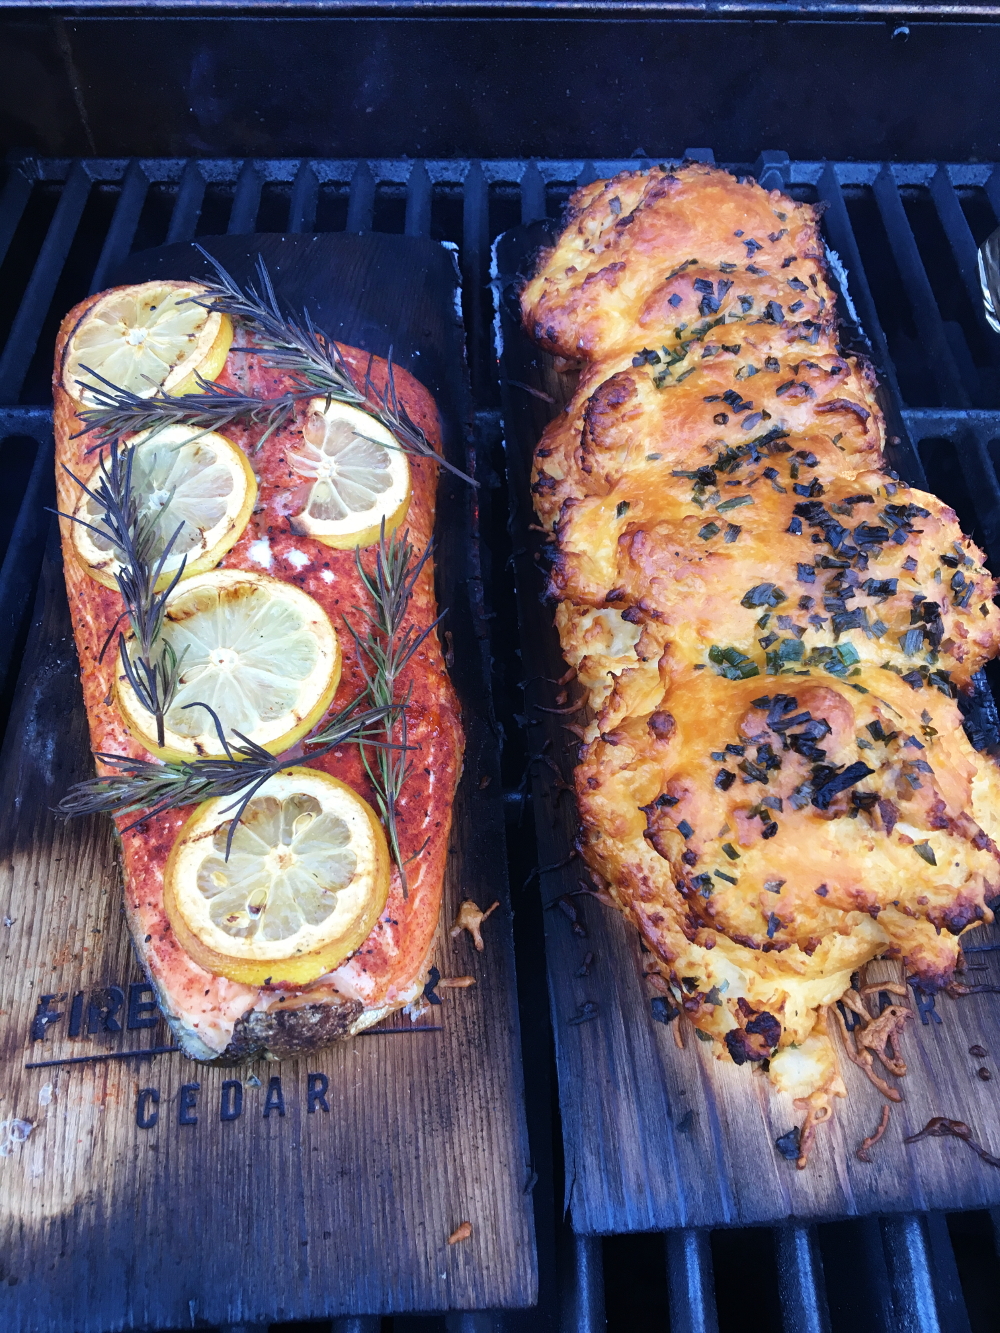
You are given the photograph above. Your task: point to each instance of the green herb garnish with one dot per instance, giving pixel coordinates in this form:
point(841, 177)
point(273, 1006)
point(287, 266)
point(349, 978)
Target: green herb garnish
point(734, 503)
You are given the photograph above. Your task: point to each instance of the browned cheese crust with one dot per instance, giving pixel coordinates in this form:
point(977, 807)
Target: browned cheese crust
point(774, 784)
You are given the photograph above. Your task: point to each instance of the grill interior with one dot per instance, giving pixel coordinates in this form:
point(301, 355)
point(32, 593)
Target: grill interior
point(907, 235)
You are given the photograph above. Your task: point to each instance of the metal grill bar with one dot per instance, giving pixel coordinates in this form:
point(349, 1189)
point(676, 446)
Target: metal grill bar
point(302, 206)
point(187, 207)
point(992, 189)
point(583, 1306)
point(532, 193)
point(800, 1281)
point(13, 202)
point(418, 202)
point(122, 230)
point(960, 239)
point(690, 1283)
point(361, 206)
point(24, 332)
point(473, 260)
point(919, 292)
point(246, 200)
point(922, 1290)
point(22, 559)
point(358, 1324)
point(838, 226)
point(951, 1309)
point(908, 1260)
point(972, 433)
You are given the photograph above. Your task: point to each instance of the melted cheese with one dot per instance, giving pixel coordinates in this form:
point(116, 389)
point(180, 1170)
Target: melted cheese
point(775, 785)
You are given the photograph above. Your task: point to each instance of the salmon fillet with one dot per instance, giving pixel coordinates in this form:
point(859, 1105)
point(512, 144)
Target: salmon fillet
point(212, 1017)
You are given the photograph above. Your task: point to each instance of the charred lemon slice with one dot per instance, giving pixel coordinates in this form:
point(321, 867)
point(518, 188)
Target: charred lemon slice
point(305, 882)
point(260, 653)
point(197, 485)
point(355, 476)
point(147, 338)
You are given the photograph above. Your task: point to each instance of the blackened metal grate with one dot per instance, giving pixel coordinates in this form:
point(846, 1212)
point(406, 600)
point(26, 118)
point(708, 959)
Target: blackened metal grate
point(907, 235)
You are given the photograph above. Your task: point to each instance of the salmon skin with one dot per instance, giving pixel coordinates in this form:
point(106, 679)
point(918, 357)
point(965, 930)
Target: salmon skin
point(211, 1017)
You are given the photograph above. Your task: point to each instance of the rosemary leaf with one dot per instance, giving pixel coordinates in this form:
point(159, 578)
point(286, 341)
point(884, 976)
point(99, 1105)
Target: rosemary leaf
point(296, 347)
point(149, 788)
point(385, 648)
point(151, 667)
point(115, 412)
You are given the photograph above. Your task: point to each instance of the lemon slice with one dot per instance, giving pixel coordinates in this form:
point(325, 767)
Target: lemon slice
point(147, 338)
point(355, 476)
point(306, 880)
point(181, 478)
point(260, 652)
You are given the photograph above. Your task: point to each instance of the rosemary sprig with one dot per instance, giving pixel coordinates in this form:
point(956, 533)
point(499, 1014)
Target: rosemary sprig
point(289, 344)
point(385, 648)
point(152, 668)
point(141, 785)
point(116, 411)
point(294, 345)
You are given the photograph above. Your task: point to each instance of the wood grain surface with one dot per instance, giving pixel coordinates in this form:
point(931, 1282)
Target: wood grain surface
point(656, 1136)
point(153, 1192)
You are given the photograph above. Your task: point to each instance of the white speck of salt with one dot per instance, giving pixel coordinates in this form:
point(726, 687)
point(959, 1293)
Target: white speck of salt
point(297, 558)
point(326, 575)
point(260, 553)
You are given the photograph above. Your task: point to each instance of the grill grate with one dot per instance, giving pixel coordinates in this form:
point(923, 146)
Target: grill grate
point(907, 235)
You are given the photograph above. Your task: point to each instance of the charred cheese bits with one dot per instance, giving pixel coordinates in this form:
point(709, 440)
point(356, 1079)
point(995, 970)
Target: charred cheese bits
point(261, 653)
point(772, 630)
point(305, 880)
point(195, 488)
point(146, 339)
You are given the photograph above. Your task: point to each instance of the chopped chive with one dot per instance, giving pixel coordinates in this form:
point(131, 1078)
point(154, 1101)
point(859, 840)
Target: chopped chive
point(763, 594)
point(734, 503)
point(708, 531)
point(730, 851)
point(926, 852)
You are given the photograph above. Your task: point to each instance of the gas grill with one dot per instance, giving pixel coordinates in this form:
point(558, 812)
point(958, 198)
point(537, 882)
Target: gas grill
point(907, 233)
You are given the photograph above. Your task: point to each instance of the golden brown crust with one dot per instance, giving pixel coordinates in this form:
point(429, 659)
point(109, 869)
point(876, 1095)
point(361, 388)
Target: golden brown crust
point(210, 1015)
point(775, 785)
point(633, 243)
